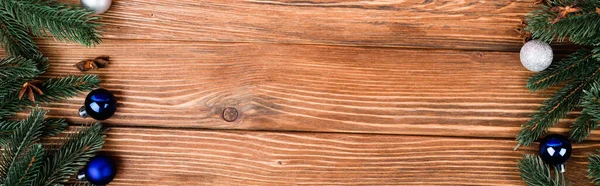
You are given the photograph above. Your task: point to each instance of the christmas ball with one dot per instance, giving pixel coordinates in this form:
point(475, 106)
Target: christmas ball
point(100, 104)
point(555, 149)
point(536, 55)
point(100, 170)
point(98, 6)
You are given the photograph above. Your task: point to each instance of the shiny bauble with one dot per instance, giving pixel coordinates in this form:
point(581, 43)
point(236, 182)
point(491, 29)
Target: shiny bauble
point(100, 104)
point(555, 149)
point(100, 170)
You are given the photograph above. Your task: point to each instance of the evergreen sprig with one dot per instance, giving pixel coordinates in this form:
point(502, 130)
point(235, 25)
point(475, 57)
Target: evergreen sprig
point(536, 173)
point(64, 22)
point(25, 162)
point(594, 168)
point(54, 90)
point(581, 27)
point(554, 108)
point(577, 64)
point(17, 67)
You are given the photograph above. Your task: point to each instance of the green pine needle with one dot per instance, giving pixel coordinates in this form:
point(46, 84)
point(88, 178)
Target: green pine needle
point(576, 64)
point(51, 127)
point(594, 168)
point(15, 39)
point(18, 142)
point(23, 173)
point(70, 23)
point(536, 173)
point(17, 67)
point(77, 149)
point(581, 28)
point(554, 108)
point(582, 127)
point(54, 90)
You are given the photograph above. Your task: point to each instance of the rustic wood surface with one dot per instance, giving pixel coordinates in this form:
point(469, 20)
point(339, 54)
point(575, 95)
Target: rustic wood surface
point(329, 92)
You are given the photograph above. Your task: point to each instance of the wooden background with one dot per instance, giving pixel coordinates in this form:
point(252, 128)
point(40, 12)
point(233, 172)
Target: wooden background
point(330, 92)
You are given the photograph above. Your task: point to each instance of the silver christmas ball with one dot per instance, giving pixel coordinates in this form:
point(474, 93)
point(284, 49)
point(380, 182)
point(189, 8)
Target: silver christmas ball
point(98, 6)
point(536, 55)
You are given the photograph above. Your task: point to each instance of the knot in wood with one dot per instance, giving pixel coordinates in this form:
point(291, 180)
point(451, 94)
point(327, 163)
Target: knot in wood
point(230, 114)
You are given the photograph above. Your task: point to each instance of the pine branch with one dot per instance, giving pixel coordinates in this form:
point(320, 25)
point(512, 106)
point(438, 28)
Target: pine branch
point(582, 127)
point(17, 67)
point(72, 155)
point(590, 115)
point(554, 108)
point(19, 142)
point(15, 39)
point(580, 27)
point(51, 127)
point(594, 168)
point(574, 65)
point(536, 173)
point(25, 167)
point(54, 90)
point(65, 22)
point(62, 88)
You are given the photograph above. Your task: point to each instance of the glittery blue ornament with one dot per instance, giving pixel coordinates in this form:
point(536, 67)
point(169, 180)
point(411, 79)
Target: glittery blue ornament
point(555, 150)
point(100, 170)
point(100, 104)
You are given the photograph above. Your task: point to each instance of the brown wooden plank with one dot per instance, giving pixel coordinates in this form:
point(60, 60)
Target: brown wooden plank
point(440, 24)
point(192, 157)
point(307, 88)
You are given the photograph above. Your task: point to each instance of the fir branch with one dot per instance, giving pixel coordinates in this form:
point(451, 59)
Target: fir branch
point(77, 149)
point(594, 168)
point(554, 108)
point(51, 127)
point(26, 166)
point(17, 67)
point(574, 65)
point(590, 115)
point(536, 173)
point(580, 28)
point(61, 88)
point(582, 127)
point(65, 22)
point(19, 141)
point(54, 90)
point(15, 39)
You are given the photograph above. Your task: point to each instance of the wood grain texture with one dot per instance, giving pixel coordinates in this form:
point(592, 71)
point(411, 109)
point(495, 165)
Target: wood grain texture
point(307, 88)
point(440, 24)
point(191, 157)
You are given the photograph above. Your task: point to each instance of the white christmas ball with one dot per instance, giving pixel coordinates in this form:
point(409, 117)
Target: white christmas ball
point(536, 55)
point(98, 6)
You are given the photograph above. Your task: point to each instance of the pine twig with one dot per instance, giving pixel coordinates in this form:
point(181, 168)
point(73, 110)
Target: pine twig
point(594, 168)
point(576, 64)
point(65, 22)
point(54, 89)
point(536, 173)
point(590, 115)
point(17, 67)
point(580, 28)
point(18, 143)
point(15, 39)
point(76, 150)
point(51, 127)
point(554, 108)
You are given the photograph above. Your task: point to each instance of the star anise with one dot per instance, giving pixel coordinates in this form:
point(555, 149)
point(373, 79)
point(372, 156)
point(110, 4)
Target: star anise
point(31, 87)
point(99, 62)
point(563, 11)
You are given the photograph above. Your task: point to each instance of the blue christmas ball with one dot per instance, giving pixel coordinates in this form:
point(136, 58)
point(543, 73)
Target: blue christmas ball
point(555, 149)
point(100, 104)
point(100, 170)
